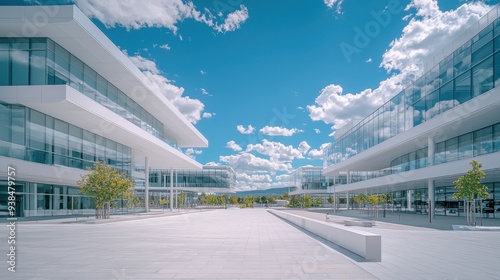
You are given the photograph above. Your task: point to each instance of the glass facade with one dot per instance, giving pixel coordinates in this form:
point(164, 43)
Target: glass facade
point(479, 142)
point(310, 178)
point(468, 72)
point(209, 177)
point(34, 199)
point(33, 136)
point(41, 61)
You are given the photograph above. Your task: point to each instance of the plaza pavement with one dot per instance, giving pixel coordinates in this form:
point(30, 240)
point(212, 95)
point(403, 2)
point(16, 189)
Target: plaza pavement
point(238, 244)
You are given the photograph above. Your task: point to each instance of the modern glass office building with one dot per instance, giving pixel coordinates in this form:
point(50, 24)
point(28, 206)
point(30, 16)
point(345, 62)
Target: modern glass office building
point(218, 180)
point(209, 179)
point(69, 98)
point(309, 180)
point(420, 141)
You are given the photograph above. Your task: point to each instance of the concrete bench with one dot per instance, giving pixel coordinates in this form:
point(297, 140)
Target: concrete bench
point(362, 223)
point(365, 244)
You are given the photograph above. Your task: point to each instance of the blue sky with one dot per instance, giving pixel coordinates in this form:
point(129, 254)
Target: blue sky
point(267, 82)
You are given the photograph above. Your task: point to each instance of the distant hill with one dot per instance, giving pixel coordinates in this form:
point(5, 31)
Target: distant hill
point(275, 191)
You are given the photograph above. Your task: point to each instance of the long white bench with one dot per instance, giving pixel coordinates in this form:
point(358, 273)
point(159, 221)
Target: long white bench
point(365, 244)
point(363, 223)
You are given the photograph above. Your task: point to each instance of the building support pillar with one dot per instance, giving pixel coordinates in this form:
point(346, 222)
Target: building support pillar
point(34, 207)
point(431, 148)
point(409, 194)
point(171, 189)
point(146, 184)
point(348, 180)
point(430, 186)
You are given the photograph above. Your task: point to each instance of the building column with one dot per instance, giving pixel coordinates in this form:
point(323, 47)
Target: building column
point(176, 194)
point(171, 189)
point(431, 148)
point(347, 199)
point(430, 191)
point(409, 194)
point(146, 184)
point(34, 203)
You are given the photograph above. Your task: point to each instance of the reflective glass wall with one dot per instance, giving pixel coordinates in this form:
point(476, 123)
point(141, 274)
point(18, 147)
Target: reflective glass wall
point(33, 136)
point(468, 72)
point(34, 199)
point(41, 61)
point(309, 179)
point(223, 178)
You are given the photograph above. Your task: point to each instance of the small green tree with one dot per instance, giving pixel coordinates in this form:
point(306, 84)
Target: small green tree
point(360, 199)
point(248, 201)
point(104, 184)
point(318, 201)
point(308, 201)
point(469, 187)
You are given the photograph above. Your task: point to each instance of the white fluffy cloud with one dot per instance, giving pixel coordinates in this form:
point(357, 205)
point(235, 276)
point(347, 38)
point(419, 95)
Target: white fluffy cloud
point(249, 130)
point(191, 108)
point(334, 3)
point(207, 115)
point(428, 30)
point(318, 153)
point(192, 152)
point(278, 152)
point(260, 171)
point(233, 20)
point(249, 163)
point(233, 146)
point(136, 14)
point(279, 131)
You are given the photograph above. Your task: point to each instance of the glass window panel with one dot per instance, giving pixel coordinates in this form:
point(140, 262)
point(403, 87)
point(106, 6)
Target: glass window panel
point(432, 105)
point(5, 123)
point(111, 152)
point(20, 44)
point(5, 43)
point(20, 67)
point(4, 68)
point(102, 85)
point(446, 100)
point(61, 66)
point(482, 77)
point(37, 68)
point(465, 146)
point(18, 125)
point(49, 138)
point(76, 73)
point(496, 69)
point(61, 138)
point(440, 153)
point(50, 68)
point(496, 138)
point(446, 69)
point(37, 130)
point(463, 88)
point(88, 146)
point(418, 112)
point(496, 27)
point(421, 158)
point(462, 60)
point(38, 43)
point(90, 79)
point(482, 53)
point(483, 141)
point(417, 89)
point(451, 149)
point(100, 148)
point(112, 93)
point(75, 146)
